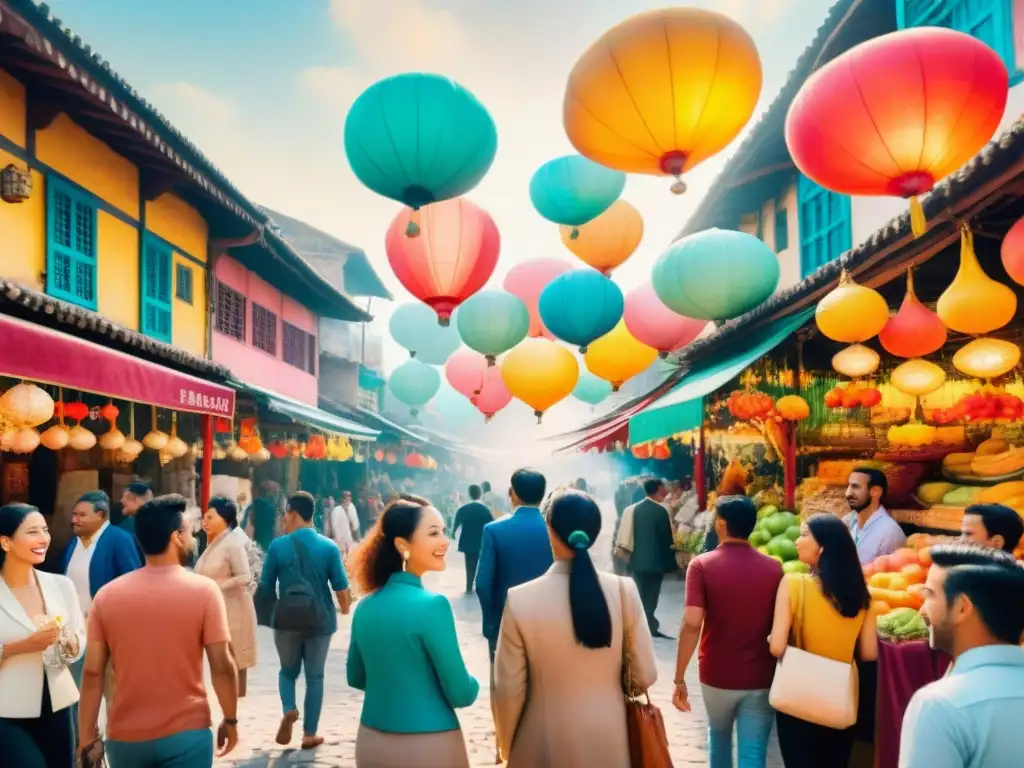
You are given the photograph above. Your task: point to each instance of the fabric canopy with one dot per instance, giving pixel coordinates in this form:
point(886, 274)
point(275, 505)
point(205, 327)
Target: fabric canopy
point(366, 417)
point(303, 413)
point(682, 408)
point(33, 352)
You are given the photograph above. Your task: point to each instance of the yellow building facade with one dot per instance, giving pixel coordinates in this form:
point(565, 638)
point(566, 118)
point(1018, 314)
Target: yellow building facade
point(88, 236)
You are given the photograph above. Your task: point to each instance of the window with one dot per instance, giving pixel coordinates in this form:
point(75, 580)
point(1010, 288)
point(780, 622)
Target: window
point(183, 283)
point(229, 317)
point(991, 21)
point(299, 348)
point(70, 244)
point(264, 329)
point(156, 289)
point(781, 230)
point(825, 232)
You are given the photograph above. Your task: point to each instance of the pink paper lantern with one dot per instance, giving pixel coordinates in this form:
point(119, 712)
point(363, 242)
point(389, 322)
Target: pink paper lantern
point(465, 371)
point(526, 280)
point(494, 395)
point(654, 324)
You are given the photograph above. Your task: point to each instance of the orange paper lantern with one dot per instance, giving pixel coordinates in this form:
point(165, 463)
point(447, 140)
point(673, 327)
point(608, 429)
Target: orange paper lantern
point(851, 313)
point(914, 331)
point(1013, 252)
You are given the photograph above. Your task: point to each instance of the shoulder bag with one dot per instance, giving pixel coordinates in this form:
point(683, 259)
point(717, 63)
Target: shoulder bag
point(648, 741)
point(300, 608)
point(814, 688)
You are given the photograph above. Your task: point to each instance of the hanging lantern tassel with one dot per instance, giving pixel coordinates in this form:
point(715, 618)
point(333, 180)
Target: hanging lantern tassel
point(539, 415)
point(413, 228)
point(575, 234)
point(918, 222)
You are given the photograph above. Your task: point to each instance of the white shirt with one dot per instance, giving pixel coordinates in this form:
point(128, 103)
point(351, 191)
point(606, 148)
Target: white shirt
point(78, 568)
point(344, 526)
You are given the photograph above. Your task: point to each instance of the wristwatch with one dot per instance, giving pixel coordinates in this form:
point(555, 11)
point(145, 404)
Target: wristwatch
point(229, 721)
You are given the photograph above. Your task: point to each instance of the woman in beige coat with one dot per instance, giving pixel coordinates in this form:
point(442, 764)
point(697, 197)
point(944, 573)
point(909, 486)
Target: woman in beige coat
point(558, 671)
point(226, 561)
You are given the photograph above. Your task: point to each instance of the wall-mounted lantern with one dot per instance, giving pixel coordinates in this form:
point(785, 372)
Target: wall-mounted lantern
point(15, 184)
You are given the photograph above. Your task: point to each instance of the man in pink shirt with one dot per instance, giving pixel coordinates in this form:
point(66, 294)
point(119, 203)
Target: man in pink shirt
point(154, 625)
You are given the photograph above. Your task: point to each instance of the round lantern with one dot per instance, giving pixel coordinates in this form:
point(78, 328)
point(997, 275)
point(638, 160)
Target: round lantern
point(76, 411)
point(1012, 252)
point(581, 306)
point(81, 439)
point(573, 190)
point(851, 313)
point(418, 139)
point(451, 260)
point(414, 327)
point(262, 456)
point(914, 331)
point(494, 395)
point(131, 448)
point(642, 451)
point(974, 303)
point(916, 104)
point(390, 457)
point(987, 358)
point(716, 274)
point(25, 440)
point(492, 322)
point(662, 91)
point(55, 438)
point(414, 383)
point(465, 372)
point(110, 412)
point(527, 279)
point(617, 357)
point(918, 378)
point(607, 241)
point(456, 411)
point(590, 389)
point(654, 324)
point(540, 373)
point(155, 440)
point(856, 361)
point(7, 438)
point(176, 448)
point(27, 405)
point(112, 440)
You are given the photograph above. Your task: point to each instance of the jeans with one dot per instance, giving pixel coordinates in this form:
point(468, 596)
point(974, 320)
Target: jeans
point(752, 715)
point(299, 651)
point(188, 749)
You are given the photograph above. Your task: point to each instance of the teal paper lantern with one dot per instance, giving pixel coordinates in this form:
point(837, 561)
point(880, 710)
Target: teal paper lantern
point(414, 327)
point(492, 322)
point(418, 139)
point(581, 306)
point(590, 389)
point(573, 190)
point(455, 413)
point(414, 383)
point(717, 274)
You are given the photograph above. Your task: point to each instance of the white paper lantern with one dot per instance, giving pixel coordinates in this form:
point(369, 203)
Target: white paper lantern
point(56, 437)
point(238, 454)
point(262, 456)
point(27, 405)
point(25, 440)
point(155, 440)
point(81, 439)
point(6, 438)
point(176, 447)
point(113, 440)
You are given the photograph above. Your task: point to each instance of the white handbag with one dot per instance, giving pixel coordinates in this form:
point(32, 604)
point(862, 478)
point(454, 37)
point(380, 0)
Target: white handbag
point(814, 688)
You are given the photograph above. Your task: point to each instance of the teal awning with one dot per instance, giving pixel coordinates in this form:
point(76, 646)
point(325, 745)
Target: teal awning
point(682, 408)
point(303, 413)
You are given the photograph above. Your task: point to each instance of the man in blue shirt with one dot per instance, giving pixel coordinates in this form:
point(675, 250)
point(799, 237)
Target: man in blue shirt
point(301, 568)
point(974, 607)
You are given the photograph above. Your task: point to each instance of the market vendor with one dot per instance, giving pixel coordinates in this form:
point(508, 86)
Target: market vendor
point(874, 531)
point(992, 525)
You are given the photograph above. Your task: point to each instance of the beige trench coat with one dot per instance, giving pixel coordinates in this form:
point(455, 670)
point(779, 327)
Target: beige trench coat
point(558, 704)
point(227, 563)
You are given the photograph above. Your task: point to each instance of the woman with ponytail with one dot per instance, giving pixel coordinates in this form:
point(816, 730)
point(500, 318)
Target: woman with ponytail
point(558, 672)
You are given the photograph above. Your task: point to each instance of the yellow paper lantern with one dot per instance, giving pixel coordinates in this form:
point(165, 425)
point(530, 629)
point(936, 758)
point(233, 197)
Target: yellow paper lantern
point(56, 437)
point(918, 377)
point(112, 440)
point(974, 303)
point(607, 241)
point(856, 361)
point(540, 372)
point(851, 313)
point(987, 358)
point(617, 356)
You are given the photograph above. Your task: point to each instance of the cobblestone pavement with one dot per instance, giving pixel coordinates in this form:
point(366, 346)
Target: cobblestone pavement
point(260, 712)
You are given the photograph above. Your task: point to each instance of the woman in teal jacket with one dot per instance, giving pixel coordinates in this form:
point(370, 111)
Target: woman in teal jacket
point(404, 652)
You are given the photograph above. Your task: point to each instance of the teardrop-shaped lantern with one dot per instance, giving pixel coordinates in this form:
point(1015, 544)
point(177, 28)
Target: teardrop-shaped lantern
point(856, 361)
point(987, 358)
point(55, 438)
point(494, 395)
point(492, 322)
point(918, 377)
point(851, 313)
point(607, 241)
point(540, 373)
point(974, 303)
point(914, 331)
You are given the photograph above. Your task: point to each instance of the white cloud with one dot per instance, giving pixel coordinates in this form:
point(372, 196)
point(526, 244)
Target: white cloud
point(336, 87)
point(189, 100)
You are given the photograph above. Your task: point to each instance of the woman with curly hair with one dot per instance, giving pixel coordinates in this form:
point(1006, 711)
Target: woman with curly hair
point(404, 652)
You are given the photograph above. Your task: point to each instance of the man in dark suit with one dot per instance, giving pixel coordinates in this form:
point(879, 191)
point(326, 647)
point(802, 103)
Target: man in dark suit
point(653, 555)
point(472, 518)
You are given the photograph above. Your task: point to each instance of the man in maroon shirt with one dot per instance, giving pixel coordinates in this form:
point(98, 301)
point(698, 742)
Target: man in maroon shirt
point(730, 594)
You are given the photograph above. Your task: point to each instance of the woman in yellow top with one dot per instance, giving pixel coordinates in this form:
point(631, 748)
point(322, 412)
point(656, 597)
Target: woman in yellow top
point(836, 624)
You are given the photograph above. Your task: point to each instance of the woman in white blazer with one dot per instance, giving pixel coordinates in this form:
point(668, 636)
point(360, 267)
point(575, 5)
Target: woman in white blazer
point(41, 632)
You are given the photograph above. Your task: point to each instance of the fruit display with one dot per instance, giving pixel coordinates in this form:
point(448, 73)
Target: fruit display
point(734, 479)
point(815, 495)
point(792, 408)
point(987, 404)
point(911, 435)
point(775, 535)
point(994, 460)
point(746, 405)
point(897, 580)
point(901, 625)
point(856, 394)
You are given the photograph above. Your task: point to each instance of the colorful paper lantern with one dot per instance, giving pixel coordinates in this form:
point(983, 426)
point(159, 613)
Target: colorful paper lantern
point(540, 373)
point(1012, 252)
point(414, 383)
point(527, 279)
point(617, 356)
point(590, 389)
point(465, 372)
point(492, 322)
point(916, 104)
point(453, 257)
point(414, 327)
point(455, 411)
point(419, 139)
point(573, 190)
point(716, 274)
point(918, 377)
point(76, 411)
point(607, 241)
point(654, 324)
point(987, 358)
point(914, 331)
point(856, 361)
point(581, 306)
point(662, 91)
point(494, 395)
point(851, 313)
point(974, 303)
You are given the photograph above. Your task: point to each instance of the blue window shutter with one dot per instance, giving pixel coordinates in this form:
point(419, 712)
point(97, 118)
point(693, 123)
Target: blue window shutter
point(70, 244)
point(156, 289)
point(781, 230)
point(824, 220)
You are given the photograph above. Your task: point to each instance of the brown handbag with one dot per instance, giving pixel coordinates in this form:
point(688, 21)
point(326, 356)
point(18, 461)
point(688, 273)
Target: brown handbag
point(648, 740)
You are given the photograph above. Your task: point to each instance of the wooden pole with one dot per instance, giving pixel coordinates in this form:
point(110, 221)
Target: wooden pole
point(789, 465)
point(206, 479)
point(698, 468)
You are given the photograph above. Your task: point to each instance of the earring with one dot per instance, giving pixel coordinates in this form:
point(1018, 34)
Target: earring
point(405, 560)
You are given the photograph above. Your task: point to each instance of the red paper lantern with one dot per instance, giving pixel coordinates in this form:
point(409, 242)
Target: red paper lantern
point(914, 331)
point(915, 105)
point(76, 410)
point(661, 451)
point(641, 451)
point(1013, 252)
point(110, 412)
point(415, 461)
point(378, 455)
point(278, 449)
point(453, 257)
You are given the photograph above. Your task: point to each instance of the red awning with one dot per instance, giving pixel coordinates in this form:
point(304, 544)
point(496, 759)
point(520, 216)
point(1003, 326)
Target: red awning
point(29, 351)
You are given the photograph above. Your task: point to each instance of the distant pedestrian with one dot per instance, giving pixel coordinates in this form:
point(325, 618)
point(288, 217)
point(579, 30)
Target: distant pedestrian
point(653, 555)
point(497, 504)
point(345, 528)
point(132, 498)
point(471, 518)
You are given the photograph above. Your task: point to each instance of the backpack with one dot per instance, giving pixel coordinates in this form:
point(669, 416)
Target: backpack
point(300, 608)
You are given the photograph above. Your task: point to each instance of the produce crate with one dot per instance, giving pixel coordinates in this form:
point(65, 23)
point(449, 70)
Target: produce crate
point(939, 517)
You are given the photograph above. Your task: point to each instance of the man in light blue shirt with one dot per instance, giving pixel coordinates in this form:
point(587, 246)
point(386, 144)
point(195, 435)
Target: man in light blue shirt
point(974, 607)
point(874, 531)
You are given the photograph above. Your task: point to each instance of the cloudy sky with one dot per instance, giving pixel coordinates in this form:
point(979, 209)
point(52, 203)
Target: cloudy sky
point(263, 86)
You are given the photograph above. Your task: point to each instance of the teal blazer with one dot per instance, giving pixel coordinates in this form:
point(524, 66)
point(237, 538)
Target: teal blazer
point(405, 655)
